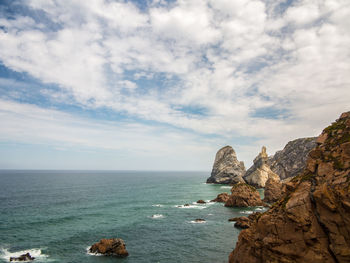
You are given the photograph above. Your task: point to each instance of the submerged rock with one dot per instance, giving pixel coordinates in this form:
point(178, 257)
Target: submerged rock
point(24, 257)
point(199, 220)
point(243, 195)
point(201, 202)
point(110, 247)
point(311, 223)
point(222, 198)
point(226, 169)
point(291, 161)
point(260, 172)
point(273, 190)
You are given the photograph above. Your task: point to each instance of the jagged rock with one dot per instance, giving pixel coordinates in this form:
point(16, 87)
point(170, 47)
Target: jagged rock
point(222, 198)
point(244, 222)
point(110, 247)
point(201, 202)
point(273, 190)
point(243, 195)
point(311, 222)
point(290, 161)
point(260, 172)
point(226, 169)
point(199, 220)
point(24, 257)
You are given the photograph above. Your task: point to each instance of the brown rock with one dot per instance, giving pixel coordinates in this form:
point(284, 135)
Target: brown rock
point(222, 198)
point(245, 222)
point(311, 222)
point(24, 257)
point(273, 190)
point(110, 247)
point(244, 195)
point(201, 202)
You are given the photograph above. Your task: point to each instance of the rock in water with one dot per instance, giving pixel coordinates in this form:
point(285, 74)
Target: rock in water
point(260, 172)
point(291, 161)
point(226, 169)
point(273, 190)
point(243, 195)
point(311, 223)
point(24, 257)
point(245, 222)
point(110, 247)
point(201, 202)
point(222, 198)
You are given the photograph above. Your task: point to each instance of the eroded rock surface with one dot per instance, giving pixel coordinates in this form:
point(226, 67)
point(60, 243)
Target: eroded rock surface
point(273, 190)
point(244, 222)
point(222, 198)
point(110, 247)
point(311, 223)
point(291, 161)
point(243, 195)
point(260, 172)
point(227, 169)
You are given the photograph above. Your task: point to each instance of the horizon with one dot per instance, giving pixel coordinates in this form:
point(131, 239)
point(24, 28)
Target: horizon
point(162, 85)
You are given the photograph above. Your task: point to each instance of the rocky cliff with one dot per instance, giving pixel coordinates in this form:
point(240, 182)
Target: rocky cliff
point(260, 172)
point(311, 223)
point(226, 169)
point(243, 195)
point(290, 161)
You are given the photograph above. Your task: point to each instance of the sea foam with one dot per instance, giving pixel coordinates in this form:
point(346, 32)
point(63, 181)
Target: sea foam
point(157, 216)
point(34, 252)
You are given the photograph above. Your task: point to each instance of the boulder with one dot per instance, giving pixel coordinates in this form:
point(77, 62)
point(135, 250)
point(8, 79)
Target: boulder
point(243, 195)
point(222, 198)
point(226, 169)
point(273, 190)
point(311, 222)
point(110, 247)
point(291, 161)
point(24, 257)
point(201, 202)
point(199, 220)
point(260, 172)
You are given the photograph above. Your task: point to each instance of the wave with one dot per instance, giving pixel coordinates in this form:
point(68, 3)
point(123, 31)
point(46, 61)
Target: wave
point(191, 206)
point(92, 254)
point(198, 222)
point(34, 252)
point(157, 216)
point(246, 212)
point(226, 187)
point(157, 205)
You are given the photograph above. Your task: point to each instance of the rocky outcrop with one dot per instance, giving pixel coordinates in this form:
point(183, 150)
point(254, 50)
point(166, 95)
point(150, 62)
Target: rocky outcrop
point(110, 247)
point(273, 190)
point(243, 195)
point(226, 169)
point(24, 257)
point(291, 161)
point(201, 202)
point(244, 222)
point(222, 198)
point(260, 172)
point(311, 223)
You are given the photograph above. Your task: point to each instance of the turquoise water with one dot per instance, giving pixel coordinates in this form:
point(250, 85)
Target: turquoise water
point(56, 215)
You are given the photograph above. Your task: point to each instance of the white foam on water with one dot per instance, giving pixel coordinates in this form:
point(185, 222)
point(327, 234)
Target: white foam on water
point(191, 206)
point(259, 209)
point(92, 254)
point(157, 205)
point(246, 212)
point(34, 252)
point(226, 187)
point(157, 216)
point(198, 222)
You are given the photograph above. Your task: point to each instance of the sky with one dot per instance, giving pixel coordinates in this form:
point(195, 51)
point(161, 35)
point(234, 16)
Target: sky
point(162, 85)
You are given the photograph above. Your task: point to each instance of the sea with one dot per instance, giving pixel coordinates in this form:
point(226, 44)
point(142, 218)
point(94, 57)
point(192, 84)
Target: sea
point(57, 215)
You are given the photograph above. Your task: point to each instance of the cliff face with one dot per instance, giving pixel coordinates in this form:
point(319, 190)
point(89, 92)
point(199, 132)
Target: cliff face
point(226, 169)
point(243, 195)
point(311, 222)
point(260, 172)
point(291, 161)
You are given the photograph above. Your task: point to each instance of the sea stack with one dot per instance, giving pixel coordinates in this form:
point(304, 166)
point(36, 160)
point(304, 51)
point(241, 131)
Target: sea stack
point(227, 169)
point(260, 172)
point(110, 247)
point(311, 222)
point(291, 161)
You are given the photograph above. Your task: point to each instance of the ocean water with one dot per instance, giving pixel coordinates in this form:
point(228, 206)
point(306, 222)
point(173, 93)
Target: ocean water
point(57, 215)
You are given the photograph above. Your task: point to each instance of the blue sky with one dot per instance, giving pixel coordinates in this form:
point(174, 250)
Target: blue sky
point(162, 85)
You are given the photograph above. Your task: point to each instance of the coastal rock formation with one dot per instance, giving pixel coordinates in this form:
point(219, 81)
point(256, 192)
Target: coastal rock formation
point(273, 190)
point(244, 222)
point(226, 169)
point(110, 247)
point(201, 202)
point(290, 161)
point(24, 257)
point(222, 198)
point(260, 172)
point(243, 195)
point(311, 223)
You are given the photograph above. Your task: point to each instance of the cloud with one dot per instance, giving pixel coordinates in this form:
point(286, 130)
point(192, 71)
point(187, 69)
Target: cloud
point(238, 61)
